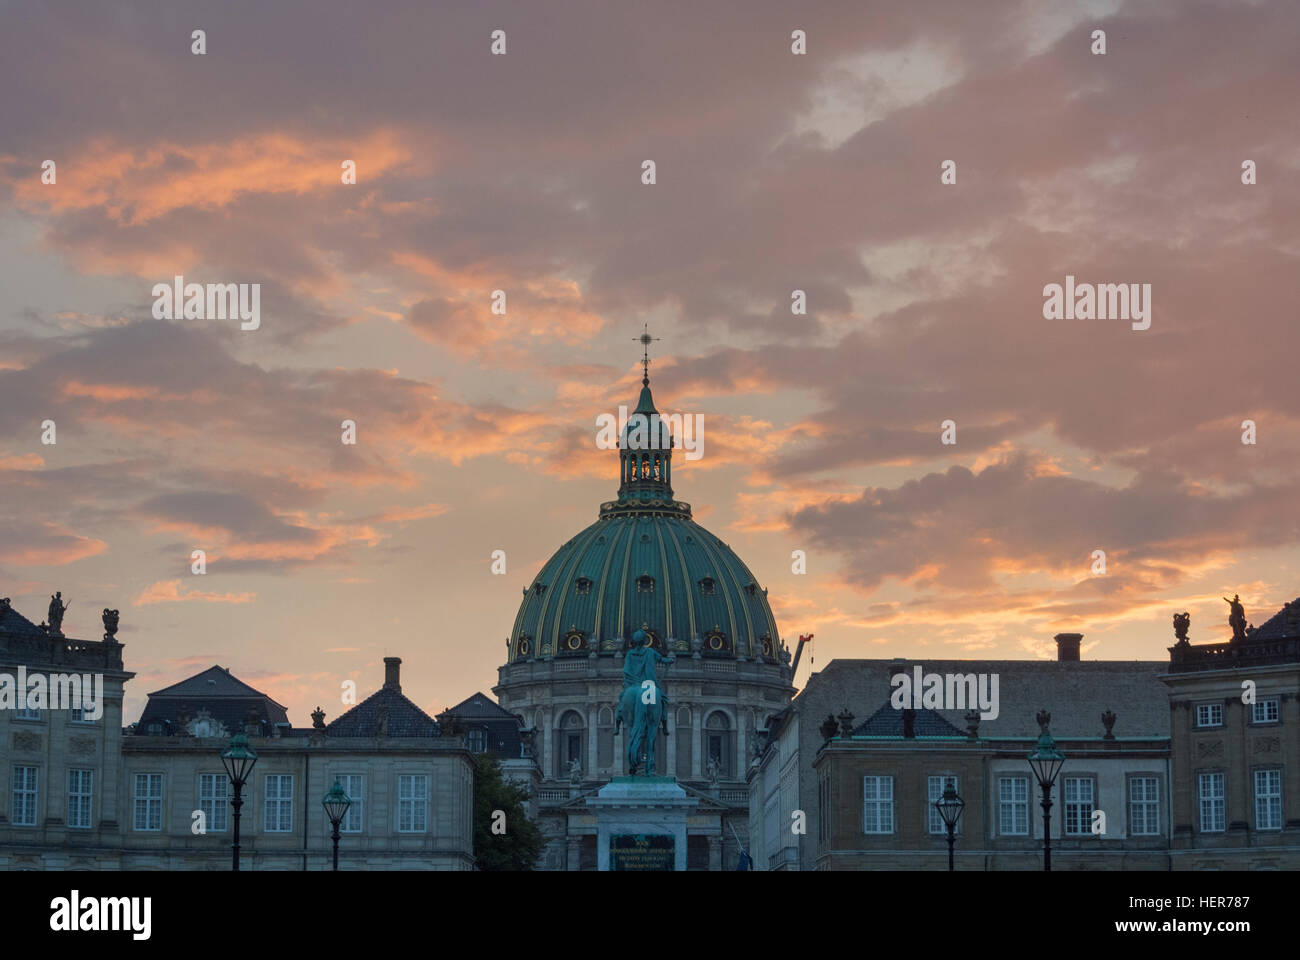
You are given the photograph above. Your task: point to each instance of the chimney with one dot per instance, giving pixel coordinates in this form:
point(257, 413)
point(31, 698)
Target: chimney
point(393, 673)
point(1067, 646)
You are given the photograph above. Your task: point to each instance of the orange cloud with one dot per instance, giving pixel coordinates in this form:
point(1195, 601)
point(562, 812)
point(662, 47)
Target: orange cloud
point(169, 591)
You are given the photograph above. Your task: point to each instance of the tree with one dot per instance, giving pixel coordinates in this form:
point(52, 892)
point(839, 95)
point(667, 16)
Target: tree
point(517, 841)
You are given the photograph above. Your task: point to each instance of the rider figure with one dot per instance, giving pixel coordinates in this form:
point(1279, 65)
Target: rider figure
point(639, 666)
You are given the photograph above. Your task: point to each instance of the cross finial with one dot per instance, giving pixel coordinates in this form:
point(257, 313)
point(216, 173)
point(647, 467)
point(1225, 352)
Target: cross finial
point(646, 340)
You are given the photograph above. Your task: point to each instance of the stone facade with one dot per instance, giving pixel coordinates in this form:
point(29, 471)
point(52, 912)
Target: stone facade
point(91, 795)
point(1236, 766)
point(567, 704)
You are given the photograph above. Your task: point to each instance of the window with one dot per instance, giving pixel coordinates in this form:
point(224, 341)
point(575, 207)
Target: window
point(645, 583)
point(412, 803)
point(148, 801)
point(277, 817)
point(1213, 812)
point(80, 791)
point(877, 804)
point(1143, 806)
point(354, 785)
point(1080, 794)
point(934, 791)
point(477, 741)
point(1264, 711)
point(78, 715)
point(24, 806)
point(1268, 799)
point(1013, 806)
point(214, 800)
point(23, 713)
point(583, 585)
point(1209, 714)
point(708, 587)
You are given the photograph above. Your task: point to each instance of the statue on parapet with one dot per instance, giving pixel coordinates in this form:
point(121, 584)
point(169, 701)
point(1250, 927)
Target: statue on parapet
point(57, 609)
point(1236, 617)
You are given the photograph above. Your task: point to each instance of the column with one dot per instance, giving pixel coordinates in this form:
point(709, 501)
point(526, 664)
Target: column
point(592, 743)
point(742, 759)
point(548, 746)
point(715, 853)
point(573, 856)
point(671, 768)
point(697, 732)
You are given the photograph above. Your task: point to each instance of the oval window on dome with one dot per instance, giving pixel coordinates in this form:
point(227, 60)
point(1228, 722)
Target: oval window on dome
point(574, 641)
point(524, 646)
point(715, 641)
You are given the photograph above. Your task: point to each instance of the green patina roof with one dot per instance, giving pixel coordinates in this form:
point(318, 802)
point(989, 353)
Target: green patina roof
point(645, 561)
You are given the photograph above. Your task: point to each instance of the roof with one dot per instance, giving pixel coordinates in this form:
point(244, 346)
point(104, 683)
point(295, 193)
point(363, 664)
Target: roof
point(501, 726)
point(224, 697)
point(888, 722)
point(1284, 623)
point(480, 705)
point(13, 622)
point(1074, 692)
point(644, 561)
point(404, 718)
point(216, 681)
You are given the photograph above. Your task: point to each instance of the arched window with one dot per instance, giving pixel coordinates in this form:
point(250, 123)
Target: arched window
point(719, 745)
point(570, 745)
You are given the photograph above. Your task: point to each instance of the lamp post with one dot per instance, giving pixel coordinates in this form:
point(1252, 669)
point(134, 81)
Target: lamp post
point(950, 807)
point(1045, 761)
point(238, 759)
point(336, 804)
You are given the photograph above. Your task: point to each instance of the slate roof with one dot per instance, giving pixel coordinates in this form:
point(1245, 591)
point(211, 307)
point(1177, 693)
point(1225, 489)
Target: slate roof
point(500, 725)
point(13, 622)
point(224, 696)
point(888, 722)
point(405, 719)
point(1076, 693)
point(1284, 623)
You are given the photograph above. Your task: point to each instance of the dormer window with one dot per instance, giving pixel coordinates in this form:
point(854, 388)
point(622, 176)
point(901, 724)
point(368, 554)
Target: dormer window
point(708, 587)
point(539, 588)
point(582, 585)
point(645, 583)
point(751, 588)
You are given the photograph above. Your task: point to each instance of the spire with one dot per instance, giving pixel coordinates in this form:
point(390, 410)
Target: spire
point(645, 451)
point(645, 340)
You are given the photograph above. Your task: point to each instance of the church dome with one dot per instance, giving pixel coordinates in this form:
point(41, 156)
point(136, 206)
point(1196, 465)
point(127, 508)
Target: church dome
point(645, 564)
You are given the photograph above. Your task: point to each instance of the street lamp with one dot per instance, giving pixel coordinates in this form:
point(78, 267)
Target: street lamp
point(238, 759)
point(950, 807)
point(1046, 762)
point(336, 804)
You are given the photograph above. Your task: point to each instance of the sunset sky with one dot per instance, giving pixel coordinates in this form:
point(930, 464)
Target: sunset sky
point(523, 172)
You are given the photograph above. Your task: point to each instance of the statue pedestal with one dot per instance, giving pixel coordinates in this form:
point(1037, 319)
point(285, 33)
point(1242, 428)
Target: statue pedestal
point(641, 823)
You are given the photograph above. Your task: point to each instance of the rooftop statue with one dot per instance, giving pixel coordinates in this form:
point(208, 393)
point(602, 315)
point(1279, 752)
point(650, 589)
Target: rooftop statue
point(1236, 617)
point(57, 609)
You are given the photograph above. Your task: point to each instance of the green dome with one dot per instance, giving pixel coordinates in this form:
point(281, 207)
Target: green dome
point(645, 564)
